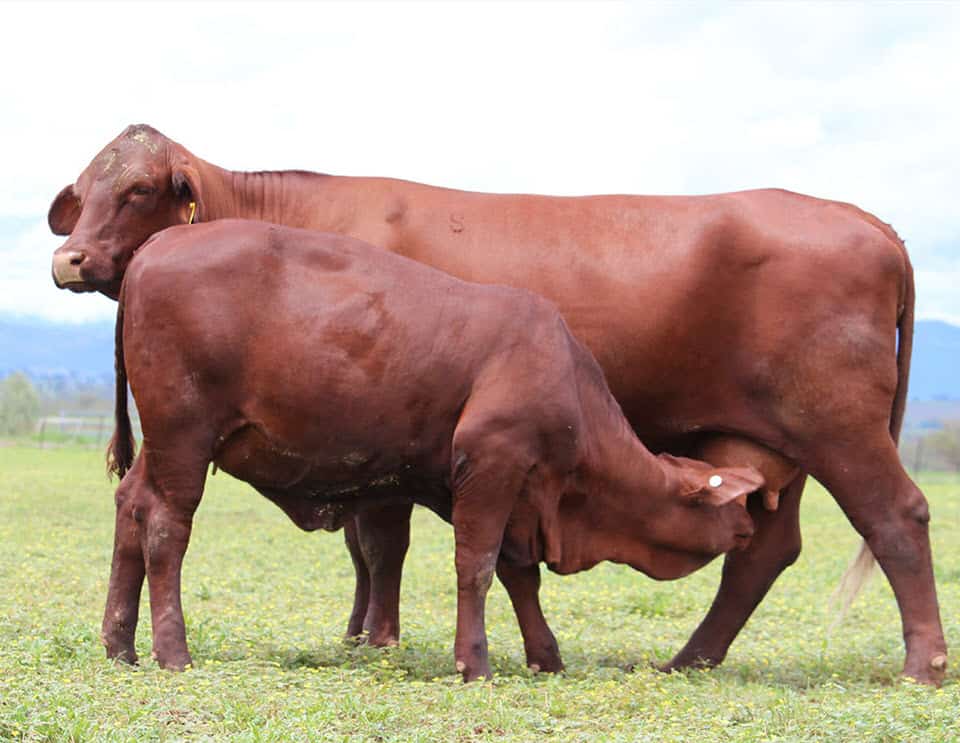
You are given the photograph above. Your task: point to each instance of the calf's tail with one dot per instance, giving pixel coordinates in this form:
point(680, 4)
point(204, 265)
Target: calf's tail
point(861, 568)
point(122, 447)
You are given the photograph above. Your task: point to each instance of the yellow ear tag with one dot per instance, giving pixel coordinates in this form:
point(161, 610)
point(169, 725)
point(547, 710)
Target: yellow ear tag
point(193, 211)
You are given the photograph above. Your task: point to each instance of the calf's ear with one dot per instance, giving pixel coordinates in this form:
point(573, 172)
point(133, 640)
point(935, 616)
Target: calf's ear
point(188, 189)
point(718, 486)
point(64, 211)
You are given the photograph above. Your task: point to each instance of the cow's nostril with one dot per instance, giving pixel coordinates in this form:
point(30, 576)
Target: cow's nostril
point(76, 259)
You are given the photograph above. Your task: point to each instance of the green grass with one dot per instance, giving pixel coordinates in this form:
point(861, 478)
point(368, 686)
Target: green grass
point(266, 605)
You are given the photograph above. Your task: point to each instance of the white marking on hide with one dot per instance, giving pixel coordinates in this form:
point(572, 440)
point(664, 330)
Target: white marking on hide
point(109, 160)
point(143, 138)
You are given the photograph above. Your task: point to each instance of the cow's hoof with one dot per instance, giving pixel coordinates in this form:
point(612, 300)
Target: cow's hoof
point(682, 663)
point(932, 674)
point(545, 664)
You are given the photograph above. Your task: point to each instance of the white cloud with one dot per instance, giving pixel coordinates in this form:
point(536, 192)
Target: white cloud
point(849, 101)
point(937, 293)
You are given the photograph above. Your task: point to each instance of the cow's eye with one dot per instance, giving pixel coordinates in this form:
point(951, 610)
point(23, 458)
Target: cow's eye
point(142, 190)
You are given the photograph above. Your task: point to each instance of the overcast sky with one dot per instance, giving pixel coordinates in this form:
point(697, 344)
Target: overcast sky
point(840, 100)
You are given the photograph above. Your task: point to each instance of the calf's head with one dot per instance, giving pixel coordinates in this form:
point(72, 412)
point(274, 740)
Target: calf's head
point(701, 514)
point(139, 184)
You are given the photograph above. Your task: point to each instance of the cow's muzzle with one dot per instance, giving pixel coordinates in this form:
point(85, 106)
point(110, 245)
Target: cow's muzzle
point(66, 270)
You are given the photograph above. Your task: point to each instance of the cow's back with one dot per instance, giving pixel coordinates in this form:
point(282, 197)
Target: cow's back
point(700, 309)
point(341, 347)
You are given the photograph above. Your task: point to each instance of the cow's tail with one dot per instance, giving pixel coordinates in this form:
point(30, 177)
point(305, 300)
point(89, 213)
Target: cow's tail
point(904, 351)
point(862, 566)
point(122, 447)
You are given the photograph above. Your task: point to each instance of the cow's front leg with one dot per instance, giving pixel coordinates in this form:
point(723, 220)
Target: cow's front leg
point(523, 587)
point(475, 568)
point(167, 535)
point(167, 518)
point(126, 572)
point(487, 482)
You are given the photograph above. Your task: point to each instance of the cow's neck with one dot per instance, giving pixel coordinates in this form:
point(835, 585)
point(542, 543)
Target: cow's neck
point(282, 197)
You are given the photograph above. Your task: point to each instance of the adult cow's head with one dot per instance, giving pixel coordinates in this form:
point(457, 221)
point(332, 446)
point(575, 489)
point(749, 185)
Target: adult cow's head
point(139, 184)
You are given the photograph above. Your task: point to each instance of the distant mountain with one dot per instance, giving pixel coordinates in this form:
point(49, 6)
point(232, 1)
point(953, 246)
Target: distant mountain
point(60, 358)
point(935, 372)
point(44, 348)
point(64, 355)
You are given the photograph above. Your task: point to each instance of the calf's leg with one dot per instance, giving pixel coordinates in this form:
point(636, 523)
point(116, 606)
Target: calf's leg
point(127, 569)
point(166, 516)
point(383, 536)
point(477, 535)
point(486, 484)
point(361, 589)
point(523, 587)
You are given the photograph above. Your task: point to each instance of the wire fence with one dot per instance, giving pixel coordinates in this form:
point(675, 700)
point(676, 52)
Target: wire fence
point(93, 431)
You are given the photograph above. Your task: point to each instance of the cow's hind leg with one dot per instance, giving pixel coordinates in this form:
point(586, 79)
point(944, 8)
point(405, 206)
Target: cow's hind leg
point(127, 569)
point(382, 536)
point(747, 576)
point(523, 587)
point(890, 512)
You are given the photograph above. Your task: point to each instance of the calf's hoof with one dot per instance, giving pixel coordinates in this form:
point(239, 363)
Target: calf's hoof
point(354, 628)
point(119, 648)
point(473, 673)
point(549, 668)
point(383, 639)
point(123, 655)
point(176, 661)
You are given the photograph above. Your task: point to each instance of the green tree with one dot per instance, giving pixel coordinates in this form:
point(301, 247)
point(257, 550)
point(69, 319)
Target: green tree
point(19, 405)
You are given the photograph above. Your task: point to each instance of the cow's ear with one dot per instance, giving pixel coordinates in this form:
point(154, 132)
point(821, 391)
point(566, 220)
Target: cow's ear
point(718, 486)
point(64, 211)
point(189, 190)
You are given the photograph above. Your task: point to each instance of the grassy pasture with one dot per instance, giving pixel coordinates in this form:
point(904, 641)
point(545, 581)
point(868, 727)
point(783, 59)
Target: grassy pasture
point(266, 605)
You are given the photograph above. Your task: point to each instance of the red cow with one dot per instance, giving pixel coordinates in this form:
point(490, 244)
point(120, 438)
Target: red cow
point(359, 377)
point(765, 314)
